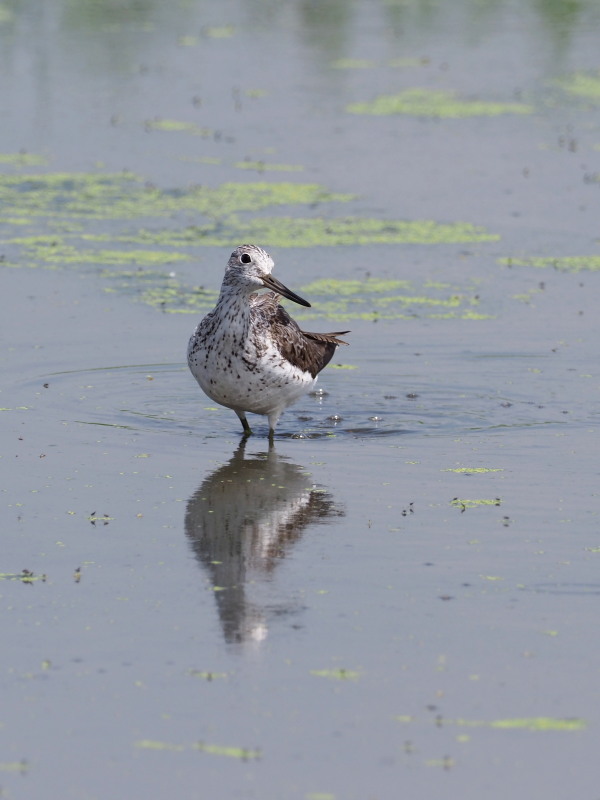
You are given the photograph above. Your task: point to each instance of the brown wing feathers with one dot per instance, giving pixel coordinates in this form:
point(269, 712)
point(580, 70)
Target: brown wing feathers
point(310, 352)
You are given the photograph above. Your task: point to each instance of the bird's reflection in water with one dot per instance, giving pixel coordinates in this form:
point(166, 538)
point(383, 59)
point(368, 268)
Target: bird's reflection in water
point(244, 518)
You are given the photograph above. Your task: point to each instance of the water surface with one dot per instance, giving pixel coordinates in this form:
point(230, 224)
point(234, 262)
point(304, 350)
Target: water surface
point(400, 593)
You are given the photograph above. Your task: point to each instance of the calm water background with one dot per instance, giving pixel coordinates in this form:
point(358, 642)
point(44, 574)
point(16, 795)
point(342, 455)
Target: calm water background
point(401, 597)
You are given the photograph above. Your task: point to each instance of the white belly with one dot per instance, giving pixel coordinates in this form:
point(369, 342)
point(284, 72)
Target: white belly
point(247, 380)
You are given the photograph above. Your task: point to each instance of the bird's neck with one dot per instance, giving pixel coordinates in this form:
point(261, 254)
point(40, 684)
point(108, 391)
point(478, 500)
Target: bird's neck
point(233, 312)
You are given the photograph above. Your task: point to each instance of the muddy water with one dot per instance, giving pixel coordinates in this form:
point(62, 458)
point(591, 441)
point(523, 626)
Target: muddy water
point(400, 594)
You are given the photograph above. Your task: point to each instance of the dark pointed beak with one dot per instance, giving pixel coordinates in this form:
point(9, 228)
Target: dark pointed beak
point(272, 283)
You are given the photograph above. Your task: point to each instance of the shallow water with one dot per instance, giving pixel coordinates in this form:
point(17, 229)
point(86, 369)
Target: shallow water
point(402, 591)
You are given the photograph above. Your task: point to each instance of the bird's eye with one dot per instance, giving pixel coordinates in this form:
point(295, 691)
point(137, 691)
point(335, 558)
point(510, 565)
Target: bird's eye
point(245, 258)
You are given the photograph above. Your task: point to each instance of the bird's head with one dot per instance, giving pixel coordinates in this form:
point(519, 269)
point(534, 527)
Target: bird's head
point(250, 266)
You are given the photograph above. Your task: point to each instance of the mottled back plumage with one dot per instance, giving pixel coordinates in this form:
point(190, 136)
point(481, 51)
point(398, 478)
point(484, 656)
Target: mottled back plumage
point(248, 354)
point(310, 352)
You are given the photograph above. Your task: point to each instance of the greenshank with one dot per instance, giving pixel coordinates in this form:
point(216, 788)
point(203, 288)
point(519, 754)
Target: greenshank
point(248, 354)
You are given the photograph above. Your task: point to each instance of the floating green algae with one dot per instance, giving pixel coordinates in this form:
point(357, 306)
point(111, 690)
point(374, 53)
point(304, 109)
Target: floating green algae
point(336, 674)
point(14, 221)
point(209, 32)
point(563, 264)
point(474, 470)
point(337, 287)
point(242, 753)
point(214, 160)
point(581, 84)
point(458, 502)
point(298, 232)
point(152, 744)
point(540, 724)
point(264, 166)
point(401, 63)
point(568, 724)
point(177, 126)
point(126, 196)
point(138, 275)
point(341, 300)
point(177, 299)
point(218, 31)
point(106, 220)
point(54, 252)
point(6, 15)
point(352, 63)
point(23, 159)
point(66, 197)
point(435, 103)
point(255, 94)
point(207, 675)
point(315, 232)
point(475, 315)
point(14, 766)
point(454, 301)
point(25, 576)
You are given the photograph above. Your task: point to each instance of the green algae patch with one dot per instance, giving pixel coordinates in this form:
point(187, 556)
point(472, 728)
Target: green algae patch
point(108, 221)
point(68, 205)
point(14, 766)
point(54, 253)
point(454, 301)
point(318, 232)
point(403, 63)
point(524, 723)
point(333, 286)
point(435, 103)
point(46, 188)
point(177, 299)
point(137, 276)
point(475, 315)
point(207, 675)
point(152, 744)
point(264, 166)
point(473, 470)
point(563, 264)
point(255, 94)
point(6, 15)
point(218, 31)
point(23, 159)
point(14, 221)
point(352, 63)
point(310, 232)
point(25, 576)
point(540, 724)
point(371, 299)
point(582, 84)
point(187, 41)
point(336, 674)
point(106, 196)
point(177, 126)
point(536, 724)
point(241, 753)
point(63, 195)
point(458, 502)
point(314, 232)
point(214, 160)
